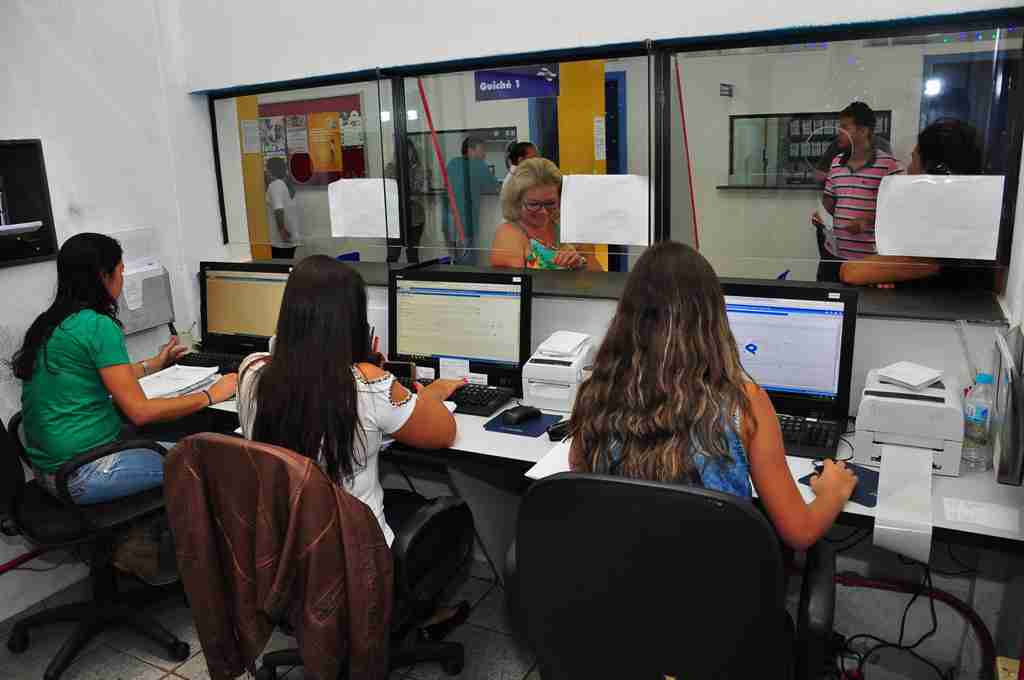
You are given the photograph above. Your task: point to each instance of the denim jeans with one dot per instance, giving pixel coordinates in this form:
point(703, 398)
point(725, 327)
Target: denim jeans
point(115, 476)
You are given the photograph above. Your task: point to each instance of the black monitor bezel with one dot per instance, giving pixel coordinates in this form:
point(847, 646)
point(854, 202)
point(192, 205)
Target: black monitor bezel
point(231, 343)
point(497, 375)
point(785, 402)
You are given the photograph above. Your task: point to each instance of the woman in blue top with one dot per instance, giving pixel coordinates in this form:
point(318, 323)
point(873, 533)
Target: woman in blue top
point(669, 401)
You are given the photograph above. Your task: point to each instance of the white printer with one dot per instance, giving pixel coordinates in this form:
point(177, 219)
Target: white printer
point(553, 374)
point(930, 418)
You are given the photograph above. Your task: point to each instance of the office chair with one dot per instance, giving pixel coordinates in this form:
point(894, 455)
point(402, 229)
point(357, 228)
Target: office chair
point(430, 548)
point(31, 511)
point(619, 578)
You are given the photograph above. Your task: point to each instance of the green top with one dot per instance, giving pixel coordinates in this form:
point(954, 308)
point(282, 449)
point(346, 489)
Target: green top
point(66, 405)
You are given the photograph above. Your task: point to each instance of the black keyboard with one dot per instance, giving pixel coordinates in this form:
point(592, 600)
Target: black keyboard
point(227, 363)
point(809, 437)
point(473, 400)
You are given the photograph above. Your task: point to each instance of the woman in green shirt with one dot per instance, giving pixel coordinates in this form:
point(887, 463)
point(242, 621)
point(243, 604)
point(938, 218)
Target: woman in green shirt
point(77, 375)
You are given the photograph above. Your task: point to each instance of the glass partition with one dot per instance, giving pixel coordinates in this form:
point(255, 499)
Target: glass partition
point(468, 132)
point(779, 154)
point(296, 167)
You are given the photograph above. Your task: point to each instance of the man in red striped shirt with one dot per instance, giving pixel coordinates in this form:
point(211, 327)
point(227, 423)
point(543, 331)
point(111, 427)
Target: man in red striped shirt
point(851, 189)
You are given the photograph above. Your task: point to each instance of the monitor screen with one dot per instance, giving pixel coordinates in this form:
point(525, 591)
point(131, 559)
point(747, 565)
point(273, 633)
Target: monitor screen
point(789, 345)
point(478, 321)
point(243, 302)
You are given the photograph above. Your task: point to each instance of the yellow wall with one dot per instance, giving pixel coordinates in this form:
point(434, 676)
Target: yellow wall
point(580, 102)
point(253, 183)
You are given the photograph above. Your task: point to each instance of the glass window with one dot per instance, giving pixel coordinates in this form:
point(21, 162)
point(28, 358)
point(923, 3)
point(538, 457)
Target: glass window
point(468, 132)
point(286, 155)
point(779, 153)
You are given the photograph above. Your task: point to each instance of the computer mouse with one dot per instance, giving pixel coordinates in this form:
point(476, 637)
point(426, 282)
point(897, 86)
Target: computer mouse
point(518, 414)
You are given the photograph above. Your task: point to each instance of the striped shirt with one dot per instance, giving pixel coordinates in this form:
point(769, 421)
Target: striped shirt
point(856, 193)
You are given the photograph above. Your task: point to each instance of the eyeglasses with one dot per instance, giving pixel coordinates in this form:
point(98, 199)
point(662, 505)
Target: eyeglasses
point(536, 206)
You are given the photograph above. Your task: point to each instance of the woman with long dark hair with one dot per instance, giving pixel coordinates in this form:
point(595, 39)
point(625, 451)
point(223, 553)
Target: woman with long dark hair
point(669, 401)
point(77, 376)
point(321, 393)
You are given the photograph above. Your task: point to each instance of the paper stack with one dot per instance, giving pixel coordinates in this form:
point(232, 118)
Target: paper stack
point(909, 375)
point(177, 381)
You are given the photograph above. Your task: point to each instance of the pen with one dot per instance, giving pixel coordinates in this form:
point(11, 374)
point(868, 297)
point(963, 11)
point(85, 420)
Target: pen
point(171, 328)
point(373, 330)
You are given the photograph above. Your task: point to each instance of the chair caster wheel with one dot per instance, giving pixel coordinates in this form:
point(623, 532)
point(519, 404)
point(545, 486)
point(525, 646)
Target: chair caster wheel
point(17, 642)
point(453, 666)
point(180, 651)
point(266, 673)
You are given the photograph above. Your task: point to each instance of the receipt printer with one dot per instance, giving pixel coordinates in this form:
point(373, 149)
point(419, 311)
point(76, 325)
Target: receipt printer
point(930, 418)
point(553, 374)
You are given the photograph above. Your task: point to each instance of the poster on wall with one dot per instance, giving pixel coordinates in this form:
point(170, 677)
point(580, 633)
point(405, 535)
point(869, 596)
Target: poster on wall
point(334, 137)
point(272, 136)
point(325, 141)
point(352, 129)
point(297, 140)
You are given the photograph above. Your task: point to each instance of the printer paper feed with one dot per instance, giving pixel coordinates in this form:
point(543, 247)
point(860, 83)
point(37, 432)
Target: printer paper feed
point(554, 461)
point(605, 209)
point(903, 516)
point(939, 216)
point(364, 208)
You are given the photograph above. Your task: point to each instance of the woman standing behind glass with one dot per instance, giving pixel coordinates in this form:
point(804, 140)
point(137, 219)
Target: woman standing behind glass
point(529, 239)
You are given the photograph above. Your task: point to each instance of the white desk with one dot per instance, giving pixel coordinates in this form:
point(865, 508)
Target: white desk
point(979, 486)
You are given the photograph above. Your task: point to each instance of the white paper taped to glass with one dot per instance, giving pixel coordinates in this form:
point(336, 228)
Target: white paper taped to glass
point(939, 216)
point(364, 208)
point(605, 209)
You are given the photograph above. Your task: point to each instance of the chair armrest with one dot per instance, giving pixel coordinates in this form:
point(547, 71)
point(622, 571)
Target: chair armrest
point(432, 516)
point(816, 612)
point(65, 471)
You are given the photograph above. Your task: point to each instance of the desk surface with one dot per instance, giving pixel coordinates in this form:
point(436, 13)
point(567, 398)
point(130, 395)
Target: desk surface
point(982, 487)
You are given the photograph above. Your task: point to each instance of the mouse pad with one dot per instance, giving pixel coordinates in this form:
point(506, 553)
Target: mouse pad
point(534, 427)
point(866, 491)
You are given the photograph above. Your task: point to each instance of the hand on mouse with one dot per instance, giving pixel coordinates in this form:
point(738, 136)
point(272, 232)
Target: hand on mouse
point(835, 479)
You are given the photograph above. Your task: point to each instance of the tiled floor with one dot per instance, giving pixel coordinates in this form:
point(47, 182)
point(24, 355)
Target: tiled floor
point(491, 652)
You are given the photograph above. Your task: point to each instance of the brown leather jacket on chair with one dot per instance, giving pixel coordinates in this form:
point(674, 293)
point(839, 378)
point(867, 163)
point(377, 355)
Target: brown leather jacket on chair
point(263, 536)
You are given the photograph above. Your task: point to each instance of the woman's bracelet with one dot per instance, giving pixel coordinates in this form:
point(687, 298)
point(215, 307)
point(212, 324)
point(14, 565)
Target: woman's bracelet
point(208, 397)
point(145, 367)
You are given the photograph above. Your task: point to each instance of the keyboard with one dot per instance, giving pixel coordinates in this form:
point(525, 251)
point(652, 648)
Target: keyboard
point(473, 400)
point(227, 363)
point(809, 437)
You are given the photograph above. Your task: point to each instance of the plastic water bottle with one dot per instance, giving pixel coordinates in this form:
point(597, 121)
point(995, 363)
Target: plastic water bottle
point(977, 419)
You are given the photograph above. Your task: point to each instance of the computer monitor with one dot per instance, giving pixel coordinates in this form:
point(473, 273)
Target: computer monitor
point(796, 341)
point(239, 304)
point(437, 316)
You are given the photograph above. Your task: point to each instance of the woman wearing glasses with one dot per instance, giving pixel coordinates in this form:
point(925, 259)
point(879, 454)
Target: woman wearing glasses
point(529, 238)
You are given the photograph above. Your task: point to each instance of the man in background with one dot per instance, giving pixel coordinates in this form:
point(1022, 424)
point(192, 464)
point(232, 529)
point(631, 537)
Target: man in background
point(470, 178)
point(851, 191)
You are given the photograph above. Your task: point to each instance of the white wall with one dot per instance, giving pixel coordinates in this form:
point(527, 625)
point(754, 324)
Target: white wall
point(764, 232)
point(233, 43)
point(102, 119)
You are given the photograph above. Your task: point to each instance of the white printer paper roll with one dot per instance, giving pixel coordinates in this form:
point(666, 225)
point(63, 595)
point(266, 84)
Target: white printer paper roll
point(903, 516)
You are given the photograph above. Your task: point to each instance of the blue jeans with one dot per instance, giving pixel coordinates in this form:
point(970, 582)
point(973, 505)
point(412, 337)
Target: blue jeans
point(115, 476)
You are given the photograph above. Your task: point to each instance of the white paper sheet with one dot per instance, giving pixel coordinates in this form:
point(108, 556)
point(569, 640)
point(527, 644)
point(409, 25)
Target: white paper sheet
point(364, 208)
point(176, 380)
point(903, 516)
point(600, 146)
point(992, 515)
point(939, 216)
point(452, 369)
point(135, 272)
point(250, 136)
point(554, 461)
point(605, 209)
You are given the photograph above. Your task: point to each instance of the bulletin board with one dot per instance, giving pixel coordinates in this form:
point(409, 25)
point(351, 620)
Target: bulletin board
point(322, 140)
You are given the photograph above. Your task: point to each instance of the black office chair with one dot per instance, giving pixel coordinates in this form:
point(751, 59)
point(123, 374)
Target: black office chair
point(429, 550)
point(29, 510)
point(619, 578)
